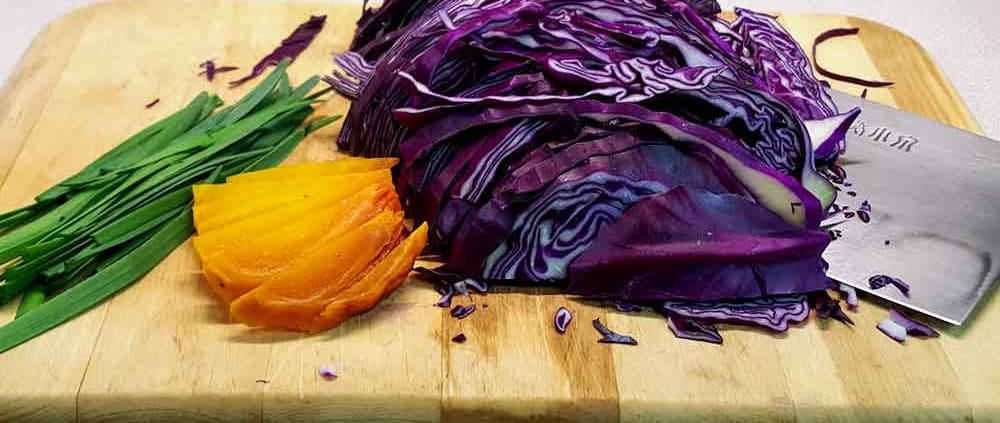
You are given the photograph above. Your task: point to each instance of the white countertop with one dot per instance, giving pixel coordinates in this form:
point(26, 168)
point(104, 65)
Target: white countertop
point(956, 33)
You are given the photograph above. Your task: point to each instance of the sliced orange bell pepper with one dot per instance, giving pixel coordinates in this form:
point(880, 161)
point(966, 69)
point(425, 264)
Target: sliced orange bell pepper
point(375, 286)
point(245, 263)
point(259, 198)
point(292, 298)
point(315, 170)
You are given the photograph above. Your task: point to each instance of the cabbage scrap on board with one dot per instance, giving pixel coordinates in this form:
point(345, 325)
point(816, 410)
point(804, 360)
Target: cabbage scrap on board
point(643, 151)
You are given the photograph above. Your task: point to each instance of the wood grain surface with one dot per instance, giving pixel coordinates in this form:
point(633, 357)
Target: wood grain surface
point(163, 350)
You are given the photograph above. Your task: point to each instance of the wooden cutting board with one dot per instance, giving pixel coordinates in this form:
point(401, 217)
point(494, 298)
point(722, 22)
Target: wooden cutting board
point(163, 350)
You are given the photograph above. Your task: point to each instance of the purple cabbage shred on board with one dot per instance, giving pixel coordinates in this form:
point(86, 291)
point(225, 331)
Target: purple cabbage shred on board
point(477, 285)
point(828, 308)
point(330, 371)
point(153, 103)
point(459, 339)
point(626, 306)
point(462, 289)
point(898, 326)
point(837, 173)
point(638, 151)
point(864, 212)
point(913, 327)
point(210, 69)
point(460, 312)
point(447, 294)
point(562, 319)
point(881, 281)
point(850, 295)
point(843, 32)
point(775, 313)
point(864, 216)
point(611, 337)
point(290, 48)
point(694, 330)
point(892, 329)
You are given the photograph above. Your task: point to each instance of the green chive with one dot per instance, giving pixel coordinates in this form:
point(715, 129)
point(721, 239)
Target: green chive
point(30, 301)
point(103, 284)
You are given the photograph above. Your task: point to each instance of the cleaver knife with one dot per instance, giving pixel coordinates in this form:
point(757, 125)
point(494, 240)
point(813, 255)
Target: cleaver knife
point(934, 193)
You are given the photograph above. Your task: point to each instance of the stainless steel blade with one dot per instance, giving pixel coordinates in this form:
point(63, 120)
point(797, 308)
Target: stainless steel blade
point(934, 191)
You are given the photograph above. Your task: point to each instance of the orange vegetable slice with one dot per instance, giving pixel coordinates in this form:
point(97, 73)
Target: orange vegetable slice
point(244, 264)
point(292, 298)
point(375, 286)
point(305, 219)
point(259, 198)
point(314, 170)
point(211, 195)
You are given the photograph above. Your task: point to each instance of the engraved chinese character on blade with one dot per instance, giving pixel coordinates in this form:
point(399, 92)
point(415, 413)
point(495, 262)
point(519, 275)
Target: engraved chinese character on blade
point(885, 135)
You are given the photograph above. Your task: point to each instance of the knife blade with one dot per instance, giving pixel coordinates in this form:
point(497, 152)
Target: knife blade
point(934, 193)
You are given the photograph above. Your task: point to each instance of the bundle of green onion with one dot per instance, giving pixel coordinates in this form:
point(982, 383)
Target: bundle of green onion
point(104, 228)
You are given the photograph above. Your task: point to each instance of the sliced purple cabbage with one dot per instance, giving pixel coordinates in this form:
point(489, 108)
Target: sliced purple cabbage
point(881, 281)
point(290, 48)
point(153, 103)
point(609, 336)
point(562, 319)
point(576, 212)
point(770, 187)
point(631, 150)
point(686, 245)
point(782, 65)
point(693, 329)
point(459, 339)
point(775, 313)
